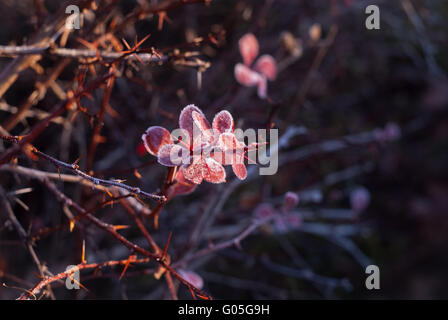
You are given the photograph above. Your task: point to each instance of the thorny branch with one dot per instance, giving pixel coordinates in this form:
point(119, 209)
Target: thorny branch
point(81, 53)
point(113, 232)
point(95, 181)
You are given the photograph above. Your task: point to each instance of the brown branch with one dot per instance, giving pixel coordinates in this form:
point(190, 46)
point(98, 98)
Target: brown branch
point(42, 39)
point(34, 173)
point(45, 231)
point(169, 178)
point(140, 55)
point(153, 244)
point(113, 232)
point(36, 95)
point(57, 111)
point(82, 266)
point(164, 6)
point(95, 181)
point(99, 124)
point(236, 241)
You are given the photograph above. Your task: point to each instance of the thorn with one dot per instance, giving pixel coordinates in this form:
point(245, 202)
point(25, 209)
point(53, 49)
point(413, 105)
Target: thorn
point(77, 282)
point(137, 174)
point(192, 293)
point(72, 225)
point(141, 41)
point(128, 262)
point(203, 297)
point(126, 43)
point(166, 245)
point(156, 221)
point(162, 16)
point(138, 58)
point(212, 39)
point(37, 275)
point(83, 256)
point(86, 43)
point(120, 227)
point(109, 193)
point(75, 164)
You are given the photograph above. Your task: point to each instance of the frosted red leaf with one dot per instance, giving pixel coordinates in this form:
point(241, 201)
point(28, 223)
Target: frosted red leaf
point(264, 210)
point(246, 76)
point(193, 171)
point(280, 223)
point(154, 138)
point(228, 157)
point(170, 155)
point(294, 220)
point(228, 141)
point(200, 121)
point(203, 156)
point(202, 128)
point(213, 171)
point(182, 185)
point(290, 200)
point(240, 170)
point(186, 118)
point(192, 277)
point(267, 66)
point(285, 223)
point(220, 156)
point(232, 152)
point(141, 149)
point(204, 169)
point(223, 122)
point(262, 88)
point(248, 45)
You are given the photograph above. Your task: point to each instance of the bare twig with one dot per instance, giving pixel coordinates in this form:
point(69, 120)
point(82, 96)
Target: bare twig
point(80, 53)
point(47, 34)
point(95, 181)
point(57, 111)
point(82, 266)
point(23, 235)
point(113, 232)
point(236, 241)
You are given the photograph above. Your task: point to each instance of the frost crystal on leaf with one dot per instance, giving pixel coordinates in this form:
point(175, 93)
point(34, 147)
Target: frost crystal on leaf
point(170, 155)
point(186, 118)
point(223, 122)
point(182, 186)
point(156, 137)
